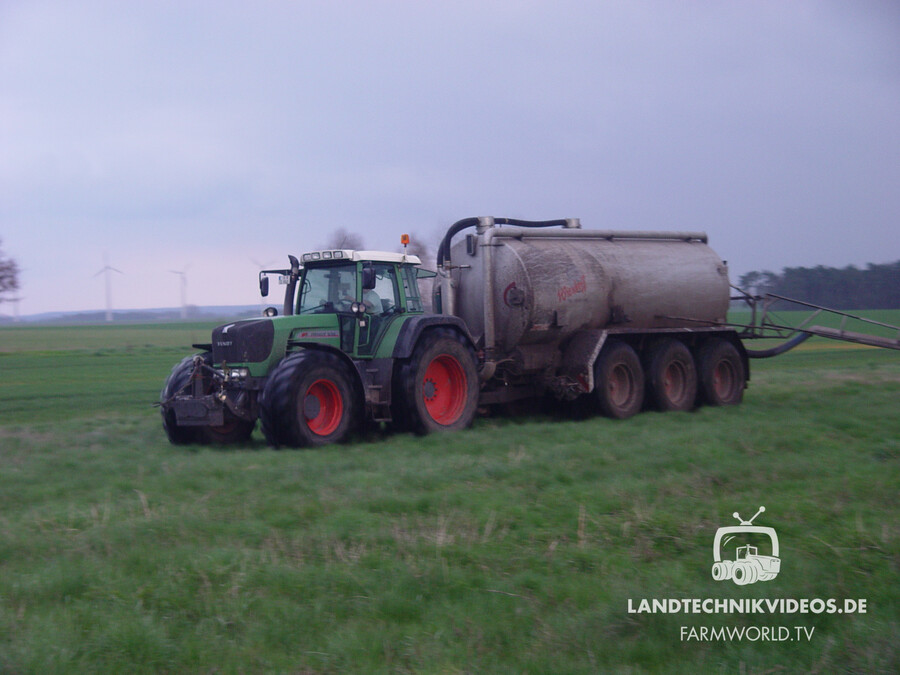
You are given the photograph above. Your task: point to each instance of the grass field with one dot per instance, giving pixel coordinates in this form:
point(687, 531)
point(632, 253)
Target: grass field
point(513, 547)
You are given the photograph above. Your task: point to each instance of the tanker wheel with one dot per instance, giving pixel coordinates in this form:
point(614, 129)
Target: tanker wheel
point(619, 381)
point(176, 381)
point(308, 400)
point(720, 373)
point(438, 385)
point(671, 376)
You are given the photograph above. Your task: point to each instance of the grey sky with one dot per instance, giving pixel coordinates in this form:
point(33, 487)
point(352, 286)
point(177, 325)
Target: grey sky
point(212, 134)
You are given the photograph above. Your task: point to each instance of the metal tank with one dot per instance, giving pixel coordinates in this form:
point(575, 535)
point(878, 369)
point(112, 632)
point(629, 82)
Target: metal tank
point(520, 286)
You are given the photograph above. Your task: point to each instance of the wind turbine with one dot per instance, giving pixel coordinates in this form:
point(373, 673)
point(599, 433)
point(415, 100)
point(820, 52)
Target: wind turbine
point(15, 303)
point(105, 270)
point(183, 274)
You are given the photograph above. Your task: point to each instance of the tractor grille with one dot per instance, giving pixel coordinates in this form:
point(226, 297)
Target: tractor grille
point(243, 342)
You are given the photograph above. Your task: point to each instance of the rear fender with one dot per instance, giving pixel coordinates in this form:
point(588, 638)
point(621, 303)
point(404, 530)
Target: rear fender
point(413, 328)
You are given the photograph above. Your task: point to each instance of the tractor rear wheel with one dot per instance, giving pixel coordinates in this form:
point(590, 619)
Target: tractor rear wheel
point(671, 376)
point(618, 381)
point(308, 400)
point(438, 385)
point(720, 373)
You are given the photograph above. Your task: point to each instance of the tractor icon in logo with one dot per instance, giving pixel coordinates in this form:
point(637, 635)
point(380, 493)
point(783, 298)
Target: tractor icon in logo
point(748, 567)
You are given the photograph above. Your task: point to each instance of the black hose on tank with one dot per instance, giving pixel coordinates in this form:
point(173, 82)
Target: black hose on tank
point(780, 349)
point(458, 226)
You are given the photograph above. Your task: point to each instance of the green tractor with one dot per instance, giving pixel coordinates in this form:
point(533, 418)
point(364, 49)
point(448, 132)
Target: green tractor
point(352, 345)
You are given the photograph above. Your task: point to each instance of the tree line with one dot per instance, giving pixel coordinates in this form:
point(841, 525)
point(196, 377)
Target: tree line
point(875, 287)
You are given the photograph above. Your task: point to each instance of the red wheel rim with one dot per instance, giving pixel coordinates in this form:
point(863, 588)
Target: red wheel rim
point(620, 385)
point(323, 407)
point(674, 381)
point(445, 389)
point(723, 379)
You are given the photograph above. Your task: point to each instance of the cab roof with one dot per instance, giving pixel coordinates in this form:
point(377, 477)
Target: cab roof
point(331, 255)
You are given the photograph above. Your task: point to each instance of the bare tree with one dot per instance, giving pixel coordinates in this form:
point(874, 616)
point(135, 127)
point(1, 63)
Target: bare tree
point(419, 247)
point(422, 247)
point(9, 274)
point(342, 238)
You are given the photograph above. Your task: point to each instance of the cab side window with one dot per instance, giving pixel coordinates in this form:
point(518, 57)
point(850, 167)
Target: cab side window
point(411, 289)
point(385, 290)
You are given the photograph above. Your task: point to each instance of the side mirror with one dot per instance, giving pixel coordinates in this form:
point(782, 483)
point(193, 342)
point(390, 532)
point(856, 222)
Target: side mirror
point(263, 285)
point(368, 277)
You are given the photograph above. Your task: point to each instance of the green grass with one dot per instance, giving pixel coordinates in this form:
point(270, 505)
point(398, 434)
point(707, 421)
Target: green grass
point(512, 547)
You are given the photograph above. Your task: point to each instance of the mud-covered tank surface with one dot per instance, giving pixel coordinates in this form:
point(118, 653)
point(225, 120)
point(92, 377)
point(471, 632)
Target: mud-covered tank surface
point(545, 288)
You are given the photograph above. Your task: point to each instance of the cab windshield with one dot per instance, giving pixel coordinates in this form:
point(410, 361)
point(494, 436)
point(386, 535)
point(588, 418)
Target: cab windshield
point(327, 290)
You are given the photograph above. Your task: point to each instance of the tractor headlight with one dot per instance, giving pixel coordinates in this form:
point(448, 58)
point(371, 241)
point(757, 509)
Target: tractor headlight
point(237, 373)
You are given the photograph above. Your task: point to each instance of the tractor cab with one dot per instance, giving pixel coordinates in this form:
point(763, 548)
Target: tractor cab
point(347, 298)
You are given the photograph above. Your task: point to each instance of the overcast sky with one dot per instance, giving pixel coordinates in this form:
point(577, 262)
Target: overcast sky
point(213, 136)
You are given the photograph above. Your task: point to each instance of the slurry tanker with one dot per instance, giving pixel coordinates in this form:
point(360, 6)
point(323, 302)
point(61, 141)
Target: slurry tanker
point(611, 320)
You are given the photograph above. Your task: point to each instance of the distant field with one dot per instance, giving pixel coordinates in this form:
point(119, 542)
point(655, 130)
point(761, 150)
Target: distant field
point(513, 547)
point(103, 338)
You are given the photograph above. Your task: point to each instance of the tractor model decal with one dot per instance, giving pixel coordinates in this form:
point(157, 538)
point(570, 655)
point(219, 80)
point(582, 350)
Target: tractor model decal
point(748, 567)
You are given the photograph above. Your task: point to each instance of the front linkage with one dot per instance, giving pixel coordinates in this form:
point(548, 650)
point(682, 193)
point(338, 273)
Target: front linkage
point(201, 403)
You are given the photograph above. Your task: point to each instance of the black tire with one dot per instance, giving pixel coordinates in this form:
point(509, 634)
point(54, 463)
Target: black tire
point(178, 378)
point(720, 373)
point(671, 376)
point(618, 381)
point(308, 400)
point(234, 430)
point(437, 387)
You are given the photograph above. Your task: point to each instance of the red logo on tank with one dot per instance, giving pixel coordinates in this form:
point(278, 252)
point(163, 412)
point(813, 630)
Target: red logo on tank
point(566, 292)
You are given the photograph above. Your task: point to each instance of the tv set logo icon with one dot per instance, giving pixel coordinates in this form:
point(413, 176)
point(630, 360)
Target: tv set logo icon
point(748, 565)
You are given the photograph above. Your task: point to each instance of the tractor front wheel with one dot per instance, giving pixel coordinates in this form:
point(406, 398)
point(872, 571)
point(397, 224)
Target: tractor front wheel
point(177, 380)
point(234, 430)
point(308, 400)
